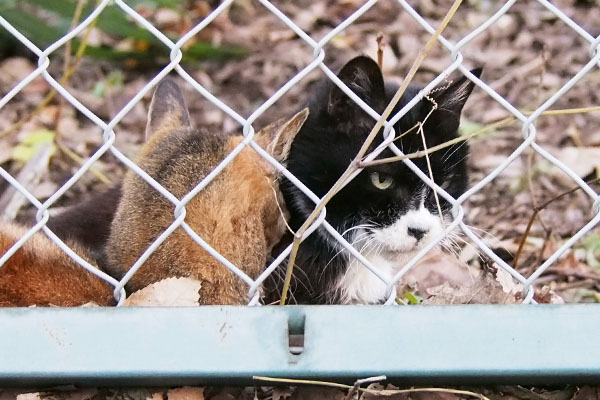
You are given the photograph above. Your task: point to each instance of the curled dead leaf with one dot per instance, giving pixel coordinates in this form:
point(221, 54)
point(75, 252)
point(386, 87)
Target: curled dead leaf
point(171, 292)
point(485, 290)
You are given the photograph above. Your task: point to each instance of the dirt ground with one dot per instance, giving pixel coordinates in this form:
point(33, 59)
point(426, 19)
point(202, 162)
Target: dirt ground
point(527, 55)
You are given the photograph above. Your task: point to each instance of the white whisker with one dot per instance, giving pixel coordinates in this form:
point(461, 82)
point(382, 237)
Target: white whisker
point(446, 156)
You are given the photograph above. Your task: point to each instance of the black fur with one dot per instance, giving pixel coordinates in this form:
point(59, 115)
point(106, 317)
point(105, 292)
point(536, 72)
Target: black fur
point(88, 222)
point(332, 136)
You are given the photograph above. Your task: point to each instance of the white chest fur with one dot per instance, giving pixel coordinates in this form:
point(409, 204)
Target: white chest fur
point(391, 247)
point(361, 286)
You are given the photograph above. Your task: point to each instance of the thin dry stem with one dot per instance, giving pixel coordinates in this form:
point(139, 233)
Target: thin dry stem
point(79, 160)
point(74, 21)
point(380, 47)
point(536, 211)
point(430, 170)
point(383, 392)
point(580, 110)
point(496, 125)
point(423, 153)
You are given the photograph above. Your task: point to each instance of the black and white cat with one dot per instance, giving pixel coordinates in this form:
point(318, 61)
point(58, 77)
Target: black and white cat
point(386, 212)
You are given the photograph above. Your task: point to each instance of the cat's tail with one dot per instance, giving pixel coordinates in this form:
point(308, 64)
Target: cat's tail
point(39, 273)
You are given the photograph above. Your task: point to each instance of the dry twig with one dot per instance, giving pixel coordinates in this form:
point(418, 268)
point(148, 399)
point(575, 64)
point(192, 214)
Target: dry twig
point(380, 46)
point(536, 211)
point(383, 392)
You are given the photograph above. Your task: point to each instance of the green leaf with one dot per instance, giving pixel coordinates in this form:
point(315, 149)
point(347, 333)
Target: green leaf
point(591, 244)
point(115, 79)
point(113, 20)
point(201, 50)
point(32, 143)
point(161, 54)
point(64, 8)
point(413, 299)
point(99, 89)
point(33, 28)
point(7, 4)
point(154, 3)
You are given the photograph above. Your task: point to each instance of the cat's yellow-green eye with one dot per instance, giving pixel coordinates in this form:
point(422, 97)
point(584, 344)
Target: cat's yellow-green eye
point(381, 181)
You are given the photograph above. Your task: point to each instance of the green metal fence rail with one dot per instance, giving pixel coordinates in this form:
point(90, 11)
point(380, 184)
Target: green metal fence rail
point(415, 344)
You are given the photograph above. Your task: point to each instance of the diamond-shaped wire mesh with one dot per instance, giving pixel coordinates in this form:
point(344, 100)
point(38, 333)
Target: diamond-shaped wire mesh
point(454, 50)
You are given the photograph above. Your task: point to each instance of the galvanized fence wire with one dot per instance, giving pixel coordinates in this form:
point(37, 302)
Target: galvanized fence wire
point(176, 54)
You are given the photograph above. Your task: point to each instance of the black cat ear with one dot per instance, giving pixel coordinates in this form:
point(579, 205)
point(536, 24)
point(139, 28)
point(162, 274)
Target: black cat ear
point(363, 76)
point(450, 101)
point(167, 109)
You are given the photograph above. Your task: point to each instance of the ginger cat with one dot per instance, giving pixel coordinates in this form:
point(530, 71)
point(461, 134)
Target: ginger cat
point(240, 213)
point(41, 274)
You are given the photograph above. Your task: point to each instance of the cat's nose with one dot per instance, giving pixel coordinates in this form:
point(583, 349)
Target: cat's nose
point(417, 233)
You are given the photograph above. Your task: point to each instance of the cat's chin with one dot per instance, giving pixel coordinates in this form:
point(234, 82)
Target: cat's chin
point(394, 254)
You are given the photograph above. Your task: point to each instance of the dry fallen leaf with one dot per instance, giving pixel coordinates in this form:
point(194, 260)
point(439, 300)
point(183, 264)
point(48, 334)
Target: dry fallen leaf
point(546, 295)
point(587, 392)
point(450, 294)
point(186, 393)
point(282, 393)
point(172, 292)
point(321, 393)
point(81, 394)
point(439, 267)
point(485, 290)
point(15, 69)
point(582, 160)
point(506, 281)
point(29, 396)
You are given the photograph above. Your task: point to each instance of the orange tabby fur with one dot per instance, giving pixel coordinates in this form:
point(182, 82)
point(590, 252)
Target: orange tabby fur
point(240, 213)
point(41, 274)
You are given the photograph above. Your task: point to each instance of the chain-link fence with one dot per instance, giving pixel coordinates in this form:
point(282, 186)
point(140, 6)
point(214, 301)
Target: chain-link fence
point(247, 125)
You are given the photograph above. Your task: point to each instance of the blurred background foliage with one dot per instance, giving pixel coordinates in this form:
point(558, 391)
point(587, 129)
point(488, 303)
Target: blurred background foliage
point(116, 36)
